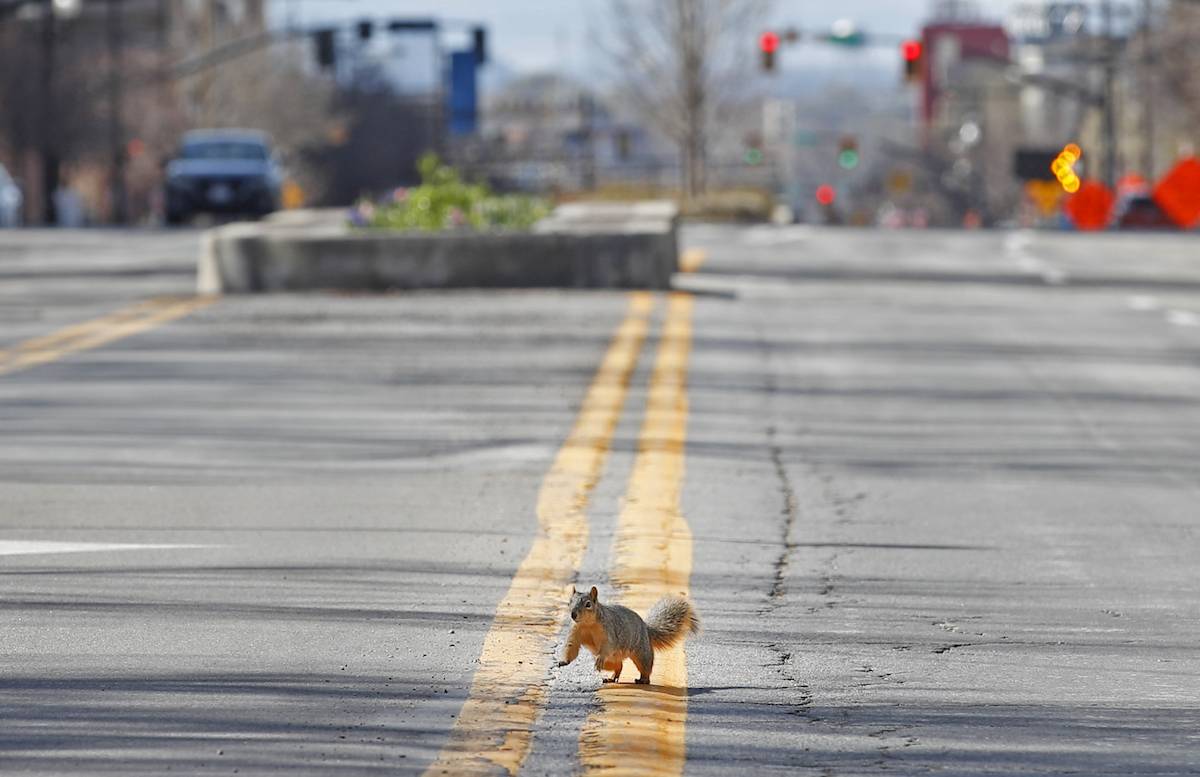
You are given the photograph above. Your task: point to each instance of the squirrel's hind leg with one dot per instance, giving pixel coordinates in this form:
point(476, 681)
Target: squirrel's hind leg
point(644, 664)
point(613, 665)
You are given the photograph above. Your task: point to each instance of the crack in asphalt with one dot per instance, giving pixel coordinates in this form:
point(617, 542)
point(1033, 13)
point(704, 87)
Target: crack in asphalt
point(788, 512)
point(890, 738)
point(955, 646)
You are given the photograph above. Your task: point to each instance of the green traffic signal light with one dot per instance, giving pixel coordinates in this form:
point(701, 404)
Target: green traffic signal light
point(753, 156)
point(848, 159)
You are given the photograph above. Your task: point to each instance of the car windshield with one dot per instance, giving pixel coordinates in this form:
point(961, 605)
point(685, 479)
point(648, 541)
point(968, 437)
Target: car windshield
point(223, 149)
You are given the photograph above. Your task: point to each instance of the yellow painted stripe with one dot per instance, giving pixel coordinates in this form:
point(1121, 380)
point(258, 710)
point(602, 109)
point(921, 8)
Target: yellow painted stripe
point(691, 259)
point(510, 686)
point(99, 331)
point(639, 730)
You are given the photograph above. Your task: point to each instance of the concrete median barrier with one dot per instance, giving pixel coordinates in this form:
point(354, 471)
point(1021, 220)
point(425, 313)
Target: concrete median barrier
point(578, 248)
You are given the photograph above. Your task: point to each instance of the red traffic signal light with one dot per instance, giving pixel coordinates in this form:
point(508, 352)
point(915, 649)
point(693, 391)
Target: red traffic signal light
point(768, 44)
point(912, 51)
point(825, 194)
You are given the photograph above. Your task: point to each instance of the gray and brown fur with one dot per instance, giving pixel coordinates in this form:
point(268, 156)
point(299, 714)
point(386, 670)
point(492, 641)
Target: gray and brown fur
point(613, 633)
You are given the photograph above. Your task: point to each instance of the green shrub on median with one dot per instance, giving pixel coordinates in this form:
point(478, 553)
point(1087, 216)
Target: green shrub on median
point(443, 201)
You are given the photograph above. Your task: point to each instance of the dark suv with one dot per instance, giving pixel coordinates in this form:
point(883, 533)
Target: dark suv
point(222, 171)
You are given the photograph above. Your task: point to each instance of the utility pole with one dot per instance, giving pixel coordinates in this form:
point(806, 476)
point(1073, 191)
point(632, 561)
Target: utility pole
point(587, 109)
point(161, 27)
point(1109, 58)
point(47, 147)
point(440, 73)
point(118, 210)
point(207, 81)
point(1148, 62)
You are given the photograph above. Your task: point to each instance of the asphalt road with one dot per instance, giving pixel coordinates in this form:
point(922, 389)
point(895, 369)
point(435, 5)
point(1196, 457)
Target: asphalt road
point(934, 495)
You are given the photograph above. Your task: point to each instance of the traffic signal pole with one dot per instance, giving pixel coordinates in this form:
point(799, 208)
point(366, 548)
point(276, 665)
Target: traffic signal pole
point(1147, 76)
point(119, 211)
point(47, 147)
point(1110, 99)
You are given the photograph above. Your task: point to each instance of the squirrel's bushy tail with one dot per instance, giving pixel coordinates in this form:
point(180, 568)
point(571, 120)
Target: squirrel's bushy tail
point(671, 619)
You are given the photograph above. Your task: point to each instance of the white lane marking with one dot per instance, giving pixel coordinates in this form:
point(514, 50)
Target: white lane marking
point(775, 235)
point(1017, 241)
point(1183, 318)
point(29, 547)
point(1016, 245)
point(1028, 263)
point(1054, 276)
point(1143, 302)
point(1051, 276)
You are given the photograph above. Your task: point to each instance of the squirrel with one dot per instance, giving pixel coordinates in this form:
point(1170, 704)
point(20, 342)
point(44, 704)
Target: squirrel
point(613, 633)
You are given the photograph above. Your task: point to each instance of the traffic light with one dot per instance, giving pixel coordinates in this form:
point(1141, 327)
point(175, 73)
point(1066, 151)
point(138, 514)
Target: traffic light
point(479, 37)
point(753, 154)
point(825, 195)
point(412, 25)
point(768, 44)
point(913, 52)
point(848, 152)
point(1063, 167)
point(365, 28)
point(326, 49)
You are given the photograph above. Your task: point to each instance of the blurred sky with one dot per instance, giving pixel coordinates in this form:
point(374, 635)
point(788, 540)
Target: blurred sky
point(530, 35)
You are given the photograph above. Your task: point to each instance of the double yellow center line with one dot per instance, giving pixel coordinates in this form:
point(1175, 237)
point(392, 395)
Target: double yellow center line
point(640, 730)
point(99, 331)
point(509, 689)
point(638, 727)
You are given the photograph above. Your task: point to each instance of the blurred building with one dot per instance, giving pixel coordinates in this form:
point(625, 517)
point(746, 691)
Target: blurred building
point(545, 131)
point(116, 108)
point(1079, 61)
point(1047, 40)
point(971, 122)
point(1157, 90)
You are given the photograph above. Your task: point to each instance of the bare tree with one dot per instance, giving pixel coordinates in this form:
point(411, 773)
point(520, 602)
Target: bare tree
point(683, 63)
point(271, 91)
point(75, 103)
point(1177, 49)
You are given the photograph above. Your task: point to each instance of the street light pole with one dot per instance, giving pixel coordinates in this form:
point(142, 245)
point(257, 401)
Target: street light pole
point(47, 147)
point(1110, 102)
point(1147, 74)
point(116, 139)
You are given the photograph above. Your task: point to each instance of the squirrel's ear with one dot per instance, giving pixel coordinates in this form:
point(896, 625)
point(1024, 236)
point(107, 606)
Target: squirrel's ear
point(572, 590)
point(593, 593)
